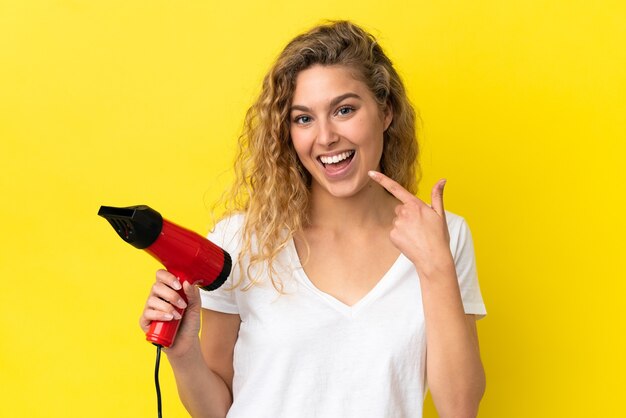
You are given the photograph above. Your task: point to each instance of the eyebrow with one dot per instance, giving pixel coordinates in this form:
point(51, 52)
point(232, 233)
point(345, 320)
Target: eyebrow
point(334, 102)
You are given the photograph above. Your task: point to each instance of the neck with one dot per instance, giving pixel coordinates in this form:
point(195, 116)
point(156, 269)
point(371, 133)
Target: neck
point(372, 206)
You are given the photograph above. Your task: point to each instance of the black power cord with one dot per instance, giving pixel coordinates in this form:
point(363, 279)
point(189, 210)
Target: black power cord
point(156, 379)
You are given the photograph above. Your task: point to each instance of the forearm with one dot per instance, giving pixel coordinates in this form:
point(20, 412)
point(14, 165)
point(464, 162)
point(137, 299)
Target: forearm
point(202, 391)
point(454, 370)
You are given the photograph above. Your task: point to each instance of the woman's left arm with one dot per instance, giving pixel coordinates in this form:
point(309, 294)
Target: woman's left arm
point(454, 370)
point(456, 378)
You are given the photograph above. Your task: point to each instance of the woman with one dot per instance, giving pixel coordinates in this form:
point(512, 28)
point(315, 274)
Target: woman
point(344, 279)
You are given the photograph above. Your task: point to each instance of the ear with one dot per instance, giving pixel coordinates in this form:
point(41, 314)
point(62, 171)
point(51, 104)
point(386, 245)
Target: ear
point(388, 115)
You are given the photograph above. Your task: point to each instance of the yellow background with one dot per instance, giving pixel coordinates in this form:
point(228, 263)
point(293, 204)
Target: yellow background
point(140, 102)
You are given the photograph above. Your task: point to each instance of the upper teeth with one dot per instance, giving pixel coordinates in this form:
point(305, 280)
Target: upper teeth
point(336, 158)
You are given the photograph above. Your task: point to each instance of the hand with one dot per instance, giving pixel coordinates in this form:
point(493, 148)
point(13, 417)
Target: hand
point(419, 231)
point(160, 305)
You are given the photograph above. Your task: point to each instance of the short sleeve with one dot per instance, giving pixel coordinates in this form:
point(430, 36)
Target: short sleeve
point(462, 247)
point(227, 235)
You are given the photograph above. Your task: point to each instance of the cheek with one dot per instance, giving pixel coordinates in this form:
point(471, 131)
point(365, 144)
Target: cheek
point(300, 144)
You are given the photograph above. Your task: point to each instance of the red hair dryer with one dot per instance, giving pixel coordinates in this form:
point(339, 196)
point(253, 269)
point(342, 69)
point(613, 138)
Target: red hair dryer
point(185, 254)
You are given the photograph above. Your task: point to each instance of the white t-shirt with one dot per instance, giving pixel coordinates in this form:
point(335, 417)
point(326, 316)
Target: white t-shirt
point(306, 354)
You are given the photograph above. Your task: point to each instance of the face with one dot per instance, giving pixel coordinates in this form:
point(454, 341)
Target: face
point(337, 129)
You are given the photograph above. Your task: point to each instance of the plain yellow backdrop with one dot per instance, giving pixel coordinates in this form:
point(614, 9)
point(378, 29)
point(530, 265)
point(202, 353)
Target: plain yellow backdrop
point(140, 102)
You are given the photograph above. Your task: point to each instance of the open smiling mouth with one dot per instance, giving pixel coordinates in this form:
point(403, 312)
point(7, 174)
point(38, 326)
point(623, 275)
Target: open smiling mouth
point(338, 161)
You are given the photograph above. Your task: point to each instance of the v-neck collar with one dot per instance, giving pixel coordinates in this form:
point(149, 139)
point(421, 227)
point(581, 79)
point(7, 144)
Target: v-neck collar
point(349, 310)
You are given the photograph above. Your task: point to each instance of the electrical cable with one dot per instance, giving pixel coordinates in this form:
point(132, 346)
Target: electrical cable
point(156, 379)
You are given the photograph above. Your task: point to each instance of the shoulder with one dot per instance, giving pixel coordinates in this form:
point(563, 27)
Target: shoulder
point(232, 222)
point(456, 223)
point(460, 235)
point(227, 231)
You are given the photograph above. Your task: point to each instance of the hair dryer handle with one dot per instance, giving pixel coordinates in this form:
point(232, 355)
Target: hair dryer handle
point(163, 332)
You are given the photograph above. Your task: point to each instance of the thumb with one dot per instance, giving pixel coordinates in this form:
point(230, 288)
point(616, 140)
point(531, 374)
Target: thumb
point(436, 198)
point(193, 295)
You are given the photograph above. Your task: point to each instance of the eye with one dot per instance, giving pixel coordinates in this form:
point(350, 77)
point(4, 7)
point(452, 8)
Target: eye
point(344, 110)
point(302, 119)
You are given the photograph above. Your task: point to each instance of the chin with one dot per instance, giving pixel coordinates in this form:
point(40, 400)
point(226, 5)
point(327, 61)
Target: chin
point(344, 189)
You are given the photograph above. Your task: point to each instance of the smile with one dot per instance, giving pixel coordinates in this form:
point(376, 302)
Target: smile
point(335, 159)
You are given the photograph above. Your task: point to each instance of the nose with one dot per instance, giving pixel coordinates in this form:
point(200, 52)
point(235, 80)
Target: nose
point(327, 134)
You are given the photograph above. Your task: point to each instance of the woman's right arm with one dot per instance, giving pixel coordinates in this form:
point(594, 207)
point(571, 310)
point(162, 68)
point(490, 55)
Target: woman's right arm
point(203, 368)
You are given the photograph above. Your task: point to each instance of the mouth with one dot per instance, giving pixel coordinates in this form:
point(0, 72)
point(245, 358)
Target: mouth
point(337, 161)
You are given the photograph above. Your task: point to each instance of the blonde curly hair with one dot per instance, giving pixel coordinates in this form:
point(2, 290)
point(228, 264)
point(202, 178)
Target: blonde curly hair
point(271, 187)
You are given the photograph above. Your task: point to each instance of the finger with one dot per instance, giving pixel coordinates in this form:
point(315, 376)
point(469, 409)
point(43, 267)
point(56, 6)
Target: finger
point(193, 294)
point(144, 323)
point(150, 315)
point(169, 279)
point(167, 294)
point(436, 197)
point(159, 304)
point(391, 186)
